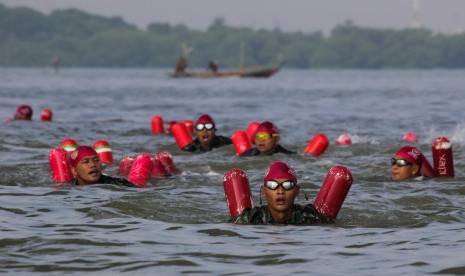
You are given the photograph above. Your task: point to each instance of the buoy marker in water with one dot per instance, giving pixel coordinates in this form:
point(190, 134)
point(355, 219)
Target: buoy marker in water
point(318, 145)
point(442, 157)
point(333, 191)
point(104, 151)
point(410, 137)
point(344, 139)
point(237, 191)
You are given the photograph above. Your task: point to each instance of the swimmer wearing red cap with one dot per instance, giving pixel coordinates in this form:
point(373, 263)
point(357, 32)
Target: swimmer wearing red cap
point(280, 189)
point(206, 139)
point(406, 164)
point(23, 112)
point(266, 141)
point(87, 169)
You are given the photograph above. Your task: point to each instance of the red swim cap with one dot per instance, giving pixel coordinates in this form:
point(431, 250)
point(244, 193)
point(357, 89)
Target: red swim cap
point(205, 119)
point(80, 153)
point(24, 112)
point(411, 154)
point(279, 169)
point(267, 127)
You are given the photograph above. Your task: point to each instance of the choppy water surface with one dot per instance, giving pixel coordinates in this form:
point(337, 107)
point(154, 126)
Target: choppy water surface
point(179, 225)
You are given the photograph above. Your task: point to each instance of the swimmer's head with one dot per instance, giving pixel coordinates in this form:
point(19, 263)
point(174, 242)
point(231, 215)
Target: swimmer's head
point(411, 154)
point(23, 112)
point(280, 170)
point(80, 153)
point(267, 127)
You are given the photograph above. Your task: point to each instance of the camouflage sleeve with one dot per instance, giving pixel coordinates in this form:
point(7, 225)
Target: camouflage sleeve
point(190, 148)
point(117, 181)
point(248, 216)
point(312, 214)
point(225, 140)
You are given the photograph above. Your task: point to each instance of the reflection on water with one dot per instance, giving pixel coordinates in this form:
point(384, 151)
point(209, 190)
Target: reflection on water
point(179, 224)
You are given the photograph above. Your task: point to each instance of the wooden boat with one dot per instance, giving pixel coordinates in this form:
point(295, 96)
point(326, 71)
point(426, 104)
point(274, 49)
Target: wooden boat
point(263, 71)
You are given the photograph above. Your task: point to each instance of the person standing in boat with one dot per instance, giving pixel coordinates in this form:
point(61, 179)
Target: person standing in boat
point(266, 141)
point(206, 139)
point(213, 65)
point(180, 66)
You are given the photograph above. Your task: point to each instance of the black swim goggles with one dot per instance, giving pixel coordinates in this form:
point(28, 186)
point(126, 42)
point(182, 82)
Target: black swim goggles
point(273, 184)
point(400, 162)
point(208, 126)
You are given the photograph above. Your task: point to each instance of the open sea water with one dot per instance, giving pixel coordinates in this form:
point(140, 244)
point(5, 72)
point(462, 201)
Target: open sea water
point(178, 225)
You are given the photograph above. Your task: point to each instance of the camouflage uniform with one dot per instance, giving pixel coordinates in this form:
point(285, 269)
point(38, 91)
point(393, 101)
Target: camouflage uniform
point(300, 215)
point(105, 179)
point(217, 142)
point(255, 151)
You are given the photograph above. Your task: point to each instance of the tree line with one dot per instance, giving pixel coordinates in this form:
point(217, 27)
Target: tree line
point(79, 39)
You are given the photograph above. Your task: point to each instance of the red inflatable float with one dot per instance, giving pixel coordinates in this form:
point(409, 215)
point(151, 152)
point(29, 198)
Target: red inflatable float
point(46, 115)
point(60, 165)
point(344, 139)
point(157, 125)
point(69, 144)
point(442, 157)
point(237, 191)
point(159, 169)
point(167, 160)
point(181, 135)
point(251, 129)
point(125, 165)
point(189, 125)
point(104, 152)
point(141, 170)
point(318, 145)
point(241, 142)
point(333, 191)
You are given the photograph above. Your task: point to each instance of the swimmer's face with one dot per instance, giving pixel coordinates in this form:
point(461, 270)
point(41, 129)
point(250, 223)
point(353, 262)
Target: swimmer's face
point(88, 170)
point(280, 201)
point(404, 171)
point(266, 146)
point(205, 136)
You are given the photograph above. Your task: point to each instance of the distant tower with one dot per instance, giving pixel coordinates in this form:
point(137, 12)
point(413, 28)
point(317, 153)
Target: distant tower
point(416, 14)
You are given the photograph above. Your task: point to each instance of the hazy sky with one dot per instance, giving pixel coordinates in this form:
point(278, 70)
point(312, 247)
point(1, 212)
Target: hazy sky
point(445, 16)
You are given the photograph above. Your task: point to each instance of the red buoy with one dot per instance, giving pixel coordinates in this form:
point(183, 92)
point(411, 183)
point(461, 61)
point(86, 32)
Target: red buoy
point(442, 157)
point(104, 152)
point(60, 165)
point(344, 139)
point(410, 137)
point(317, 145)
point(167, 160)
point(181, 135)
point(240, 141)
point(69, 144)
point(189, 125)
point(46, 115)
point(237, 191)
point(159, 169)
point(141, 170)
point(125, 165)
point(251, 129)
point(333, 191)
point(157, 125)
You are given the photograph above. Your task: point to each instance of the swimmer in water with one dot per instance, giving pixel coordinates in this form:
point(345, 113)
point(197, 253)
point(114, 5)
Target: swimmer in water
point(87, 169)
point(407, 163)
point(280, 190)
point(206, 140)
point(266, 141)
